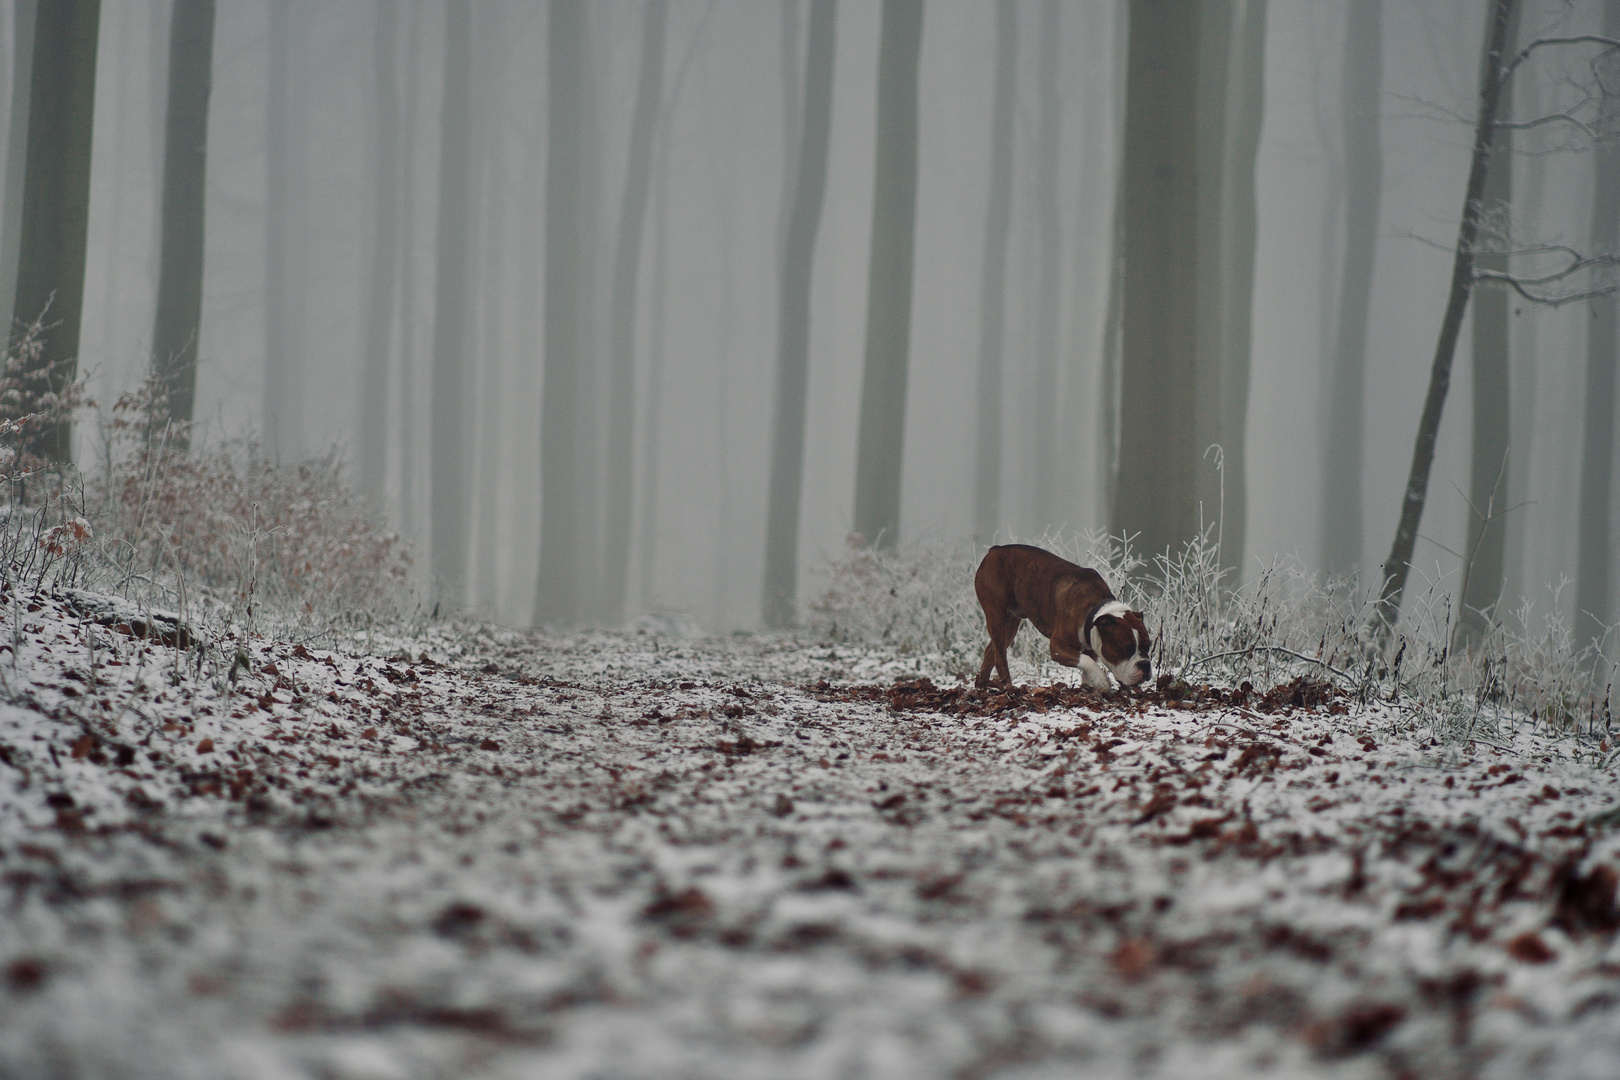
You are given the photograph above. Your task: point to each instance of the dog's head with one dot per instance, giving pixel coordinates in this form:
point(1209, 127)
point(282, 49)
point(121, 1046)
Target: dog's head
point(1120, 639)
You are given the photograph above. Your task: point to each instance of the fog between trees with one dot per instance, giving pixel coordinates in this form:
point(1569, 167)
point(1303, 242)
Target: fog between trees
point(497, 249)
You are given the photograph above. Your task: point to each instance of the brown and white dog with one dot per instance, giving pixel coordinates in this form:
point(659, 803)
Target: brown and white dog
point(1071, 605)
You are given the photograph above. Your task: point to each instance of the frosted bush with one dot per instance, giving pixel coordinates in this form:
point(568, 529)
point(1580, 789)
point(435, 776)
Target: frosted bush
point(1284, 623)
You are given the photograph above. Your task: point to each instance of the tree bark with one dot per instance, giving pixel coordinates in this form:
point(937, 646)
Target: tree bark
point(1048, 510)
point(1488, 492)
point(385, 242)
point(448, 477)
point(557, 594)
point(881, 445)
point(56, 196)
point(410, 420)
point(11, 199)
point(1156, 494)
point(1363, 180)
point(793, 322)
point(620, 492)
point(1245, 106)
point(1399, 563)
point(1593, 592)
point(185, 159)
point(284, 197)
point(993, 282)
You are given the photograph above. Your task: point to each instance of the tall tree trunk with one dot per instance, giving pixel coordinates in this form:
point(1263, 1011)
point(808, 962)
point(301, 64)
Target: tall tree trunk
point(1215, 75)
point(647, 525)
point(620, 492)
point(1363, 180)
point(1488, 472)
point(993, 281)
point(1156, 495)
point(185, 159)
point(1593, 594)
point(56, 194)
point(497, 379)
point(448, 477)
point(11, 200)
point(283, 285)
point(793, 61)
point(793, 323)
point(881, 445)
point(1399, 563)
point(1231, 101)
point(385, 239)
point(1049, 472)
point(562, 431)
point(1245, 108)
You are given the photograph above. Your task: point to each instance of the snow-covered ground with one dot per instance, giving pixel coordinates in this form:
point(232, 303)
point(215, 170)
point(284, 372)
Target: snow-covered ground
point(624, 855)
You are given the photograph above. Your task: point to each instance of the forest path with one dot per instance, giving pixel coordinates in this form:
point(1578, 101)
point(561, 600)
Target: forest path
point(601, 855)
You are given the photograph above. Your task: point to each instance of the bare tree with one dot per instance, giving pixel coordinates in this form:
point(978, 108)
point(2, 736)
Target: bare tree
point(1363, 181)
point(56, 194)
point(1488, 493)
point(1155, 493)
point(993, 280)
point(180, 272)
point(11, 200)
point(1557, 284)
point(285, 183)
point(448, 476)
point(880, 449)
point(562, 428)
point(620, 490)
point(1048, 473)
point(793, 322)
point(383, 286)
point(1594, 546)
point(1231, 100)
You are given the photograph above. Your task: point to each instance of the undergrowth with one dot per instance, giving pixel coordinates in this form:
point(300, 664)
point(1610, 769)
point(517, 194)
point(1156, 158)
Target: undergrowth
point(1285, 623)
point(237, 545)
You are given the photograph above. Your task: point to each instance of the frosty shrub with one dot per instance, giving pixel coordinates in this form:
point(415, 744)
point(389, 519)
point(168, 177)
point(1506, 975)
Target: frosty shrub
point(42, 522)
point(917, 598)
point(1285, 622)
point(284, 543)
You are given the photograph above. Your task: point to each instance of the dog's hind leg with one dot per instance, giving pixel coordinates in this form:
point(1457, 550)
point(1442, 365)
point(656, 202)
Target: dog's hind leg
point(1002, 633)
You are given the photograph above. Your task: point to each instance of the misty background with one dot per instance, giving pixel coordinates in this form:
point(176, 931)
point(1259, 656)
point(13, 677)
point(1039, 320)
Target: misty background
point(336, 129)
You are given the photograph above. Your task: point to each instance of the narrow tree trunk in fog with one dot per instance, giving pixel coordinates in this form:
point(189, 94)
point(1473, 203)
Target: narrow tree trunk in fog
point(448, 472)
point(557, 596)
point(1049, 472)
point(11, 199)
point(793, 323)
point(56, 194)
point(409, 421)
point(1398, 565)
point(1245, 105)
point(1108, 362)
point(283, 291)
point(1215, 75)
point(993, 283)
point(1155, 498)
point(620, 493)
point(1593, 603)
point(372, 449)
point(1488, 472)
point(880, 449)
point(185, 158)
point(1342, 455)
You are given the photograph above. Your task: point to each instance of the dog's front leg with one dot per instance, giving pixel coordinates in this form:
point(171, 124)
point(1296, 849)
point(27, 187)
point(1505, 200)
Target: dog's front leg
point(1092, 674)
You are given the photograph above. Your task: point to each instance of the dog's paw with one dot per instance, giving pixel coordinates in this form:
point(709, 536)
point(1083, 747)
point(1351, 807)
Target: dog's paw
point(1092, 674)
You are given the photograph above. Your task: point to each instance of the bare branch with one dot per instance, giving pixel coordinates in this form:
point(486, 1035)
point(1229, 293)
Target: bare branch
point(1546, 42)
point(1549, 118)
